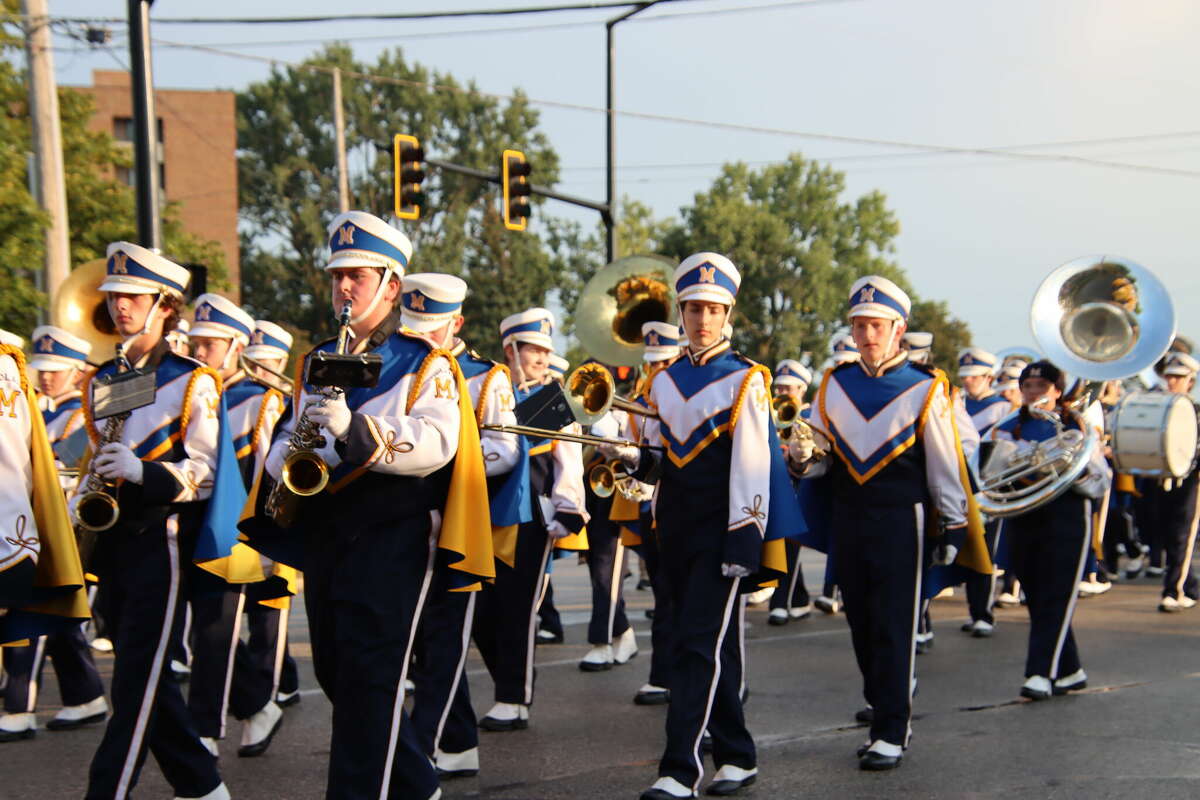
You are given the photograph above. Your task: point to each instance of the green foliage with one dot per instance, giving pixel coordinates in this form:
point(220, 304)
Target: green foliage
point(100, 210)
point(288, 187)
point(950, 334)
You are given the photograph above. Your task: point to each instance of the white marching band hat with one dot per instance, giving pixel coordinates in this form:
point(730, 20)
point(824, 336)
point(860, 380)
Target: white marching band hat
point(845, 350)
point(791, 372)
point(268, 341)
point(55, 350)
point(429, 301)
point(558, 365)
point(11, 339)
point(876, 296)
point(976, 361)
point(661, 340)
point(132, 269)
point(1181, 364)
point(358, 239)
point(918, 344)
point(533, 326)
point(220, 318)
point(710, 277)
point(180, 332)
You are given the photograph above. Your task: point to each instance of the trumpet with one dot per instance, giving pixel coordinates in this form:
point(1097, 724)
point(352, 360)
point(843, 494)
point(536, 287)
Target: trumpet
point(591, 393)
point(304, 472)
point(784, 412)
point(272, 380)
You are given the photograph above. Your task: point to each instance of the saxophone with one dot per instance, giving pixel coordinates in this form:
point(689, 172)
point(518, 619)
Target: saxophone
point(97, 508)
point(304, 472)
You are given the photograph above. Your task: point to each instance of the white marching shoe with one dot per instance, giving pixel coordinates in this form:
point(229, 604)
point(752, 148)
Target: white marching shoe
point(457, 765)
point(76, 716)
point(1036, 687)
point(14, 727)
point(778, 616)
point(219, 793)
point(598, 659)
point(258, 730)
point(668, 787)
point(102, 644)
point(506, 717)
point(625, 647)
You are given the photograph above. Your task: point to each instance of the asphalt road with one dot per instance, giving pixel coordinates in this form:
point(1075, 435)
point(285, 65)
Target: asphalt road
point(1130, 735)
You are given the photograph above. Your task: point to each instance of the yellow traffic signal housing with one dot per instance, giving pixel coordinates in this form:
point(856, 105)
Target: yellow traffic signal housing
point(514, 181)
point(409, 166)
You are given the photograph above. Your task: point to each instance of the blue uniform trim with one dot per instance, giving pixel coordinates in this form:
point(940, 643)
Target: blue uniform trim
point(134, 269)
point(49, 346)
point(66, 407)
point(360, 239)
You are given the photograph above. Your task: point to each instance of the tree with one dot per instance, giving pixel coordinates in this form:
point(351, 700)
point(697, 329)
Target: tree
point(287, 186)
point(950, 334)
point(99, 208)
point(799, 247)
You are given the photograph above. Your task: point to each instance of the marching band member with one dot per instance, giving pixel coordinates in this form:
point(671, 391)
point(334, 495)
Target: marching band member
point(445, 723)
point(790, 600)
point(60, 359)
point(976, 370)
point(163, 462)
point(891, 470)
point(919, 345)
point(1177, 513)
point(609, 632)
point(267, 616)
point(845, 351)
point(223, 678)
point(406, 483)
point(662, 347)
point(1048, 546)
point(550, 626)
point(178, 339)
point(506, 620)
point(711, 510)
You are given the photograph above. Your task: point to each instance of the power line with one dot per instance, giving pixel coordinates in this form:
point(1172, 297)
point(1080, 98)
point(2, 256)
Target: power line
point(371, 17)
point(914, 147)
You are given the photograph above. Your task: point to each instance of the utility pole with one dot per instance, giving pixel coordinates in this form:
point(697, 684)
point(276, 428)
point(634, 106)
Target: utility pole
point(47, 144)
point(610, 172)
point(339, 128)
point(145, 122)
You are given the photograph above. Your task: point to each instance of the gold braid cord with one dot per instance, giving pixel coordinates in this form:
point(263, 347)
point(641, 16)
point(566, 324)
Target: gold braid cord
point(185, 414)
point(493, 373)
point(268, 397)
point(426, 365)
point(757, 369)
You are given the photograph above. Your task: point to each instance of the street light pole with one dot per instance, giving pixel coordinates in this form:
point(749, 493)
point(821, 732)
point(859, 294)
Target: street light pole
point(145, 121)
point(610, 120)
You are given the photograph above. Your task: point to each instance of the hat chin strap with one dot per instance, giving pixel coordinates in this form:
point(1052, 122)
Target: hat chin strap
point(359, 318)
point(145, 326)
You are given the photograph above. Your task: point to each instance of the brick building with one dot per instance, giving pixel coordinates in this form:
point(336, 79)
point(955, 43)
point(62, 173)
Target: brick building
point(197, 156)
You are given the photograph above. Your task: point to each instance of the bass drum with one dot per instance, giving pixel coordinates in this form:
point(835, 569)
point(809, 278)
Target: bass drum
point(1154, 434)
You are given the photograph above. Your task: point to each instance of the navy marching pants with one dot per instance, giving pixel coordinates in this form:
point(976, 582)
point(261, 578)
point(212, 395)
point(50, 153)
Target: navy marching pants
point(1048, 548)
point(442, 713)
point(78, 680)
point(1178, 513)
point(606, 566)
point(145, 582)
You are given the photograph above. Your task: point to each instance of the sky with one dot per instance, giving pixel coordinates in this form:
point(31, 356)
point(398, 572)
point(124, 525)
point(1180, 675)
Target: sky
point(1058, 85)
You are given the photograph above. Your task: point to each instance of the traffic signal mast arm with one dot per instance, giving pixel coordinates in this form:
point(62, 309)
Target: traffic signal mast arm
point(540, 191)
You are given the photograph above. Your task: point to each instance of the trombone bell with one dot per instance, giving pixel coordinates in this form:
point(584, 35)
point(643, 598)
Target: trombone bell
point(784, 411)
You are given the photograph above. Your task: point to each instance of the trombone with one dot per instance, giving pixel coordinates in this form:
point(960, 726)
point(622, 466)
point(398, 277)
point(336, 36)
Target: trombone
point(281, 383)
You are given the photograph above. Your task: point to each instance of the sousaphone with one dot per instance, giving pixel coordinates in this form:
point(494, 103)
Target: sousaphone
point(80, 308)
point(615, 303)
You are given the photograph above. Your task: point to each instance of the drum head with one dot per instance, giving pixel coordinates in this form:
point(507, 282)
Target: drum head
point(1180, 436)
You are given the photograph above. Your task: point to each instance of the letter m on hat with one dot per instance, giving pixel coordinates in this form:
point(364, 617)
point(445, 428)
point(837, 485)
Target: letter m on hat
point(708, 274)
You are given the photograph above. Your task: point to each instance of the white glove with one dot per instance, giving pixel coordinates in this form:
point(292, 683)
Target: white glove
point(73, 508)
point(556, 530)
point(627, 453)
point(332, 414)
point(116, 460)
point(274, 463)
point(734, 571)
point(800, 450)
point(944, 556)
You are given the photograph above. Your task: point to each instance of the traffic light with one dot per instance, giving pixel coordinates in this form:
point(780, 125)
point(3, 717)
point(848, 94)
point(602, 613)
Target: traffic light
point(514, 178)
point(409, 166)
